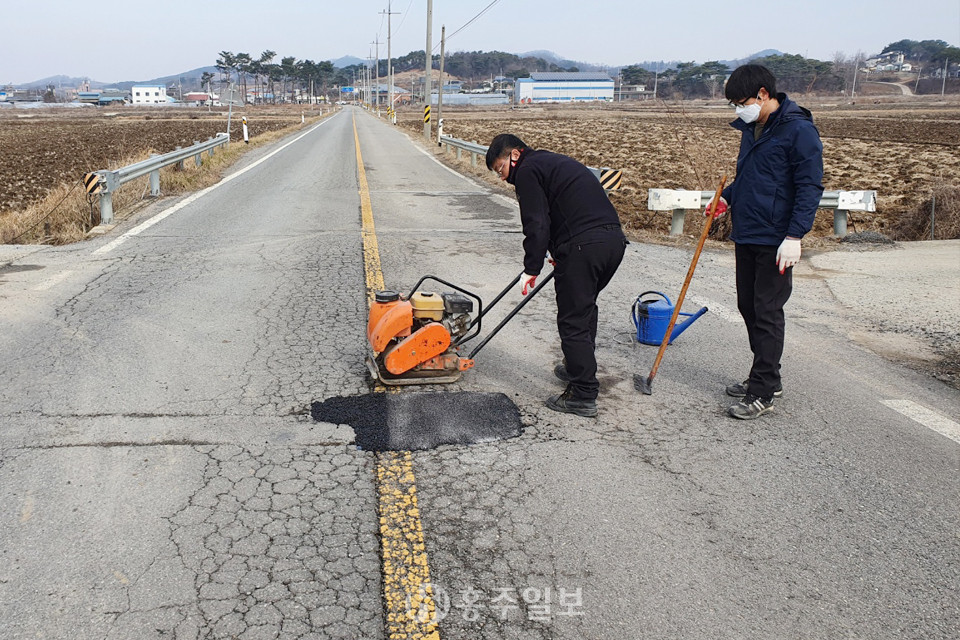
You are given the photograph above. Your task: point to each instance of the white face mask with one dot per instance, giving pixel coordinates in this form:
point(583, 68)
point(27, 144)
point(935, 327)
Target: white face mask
point(749, 113)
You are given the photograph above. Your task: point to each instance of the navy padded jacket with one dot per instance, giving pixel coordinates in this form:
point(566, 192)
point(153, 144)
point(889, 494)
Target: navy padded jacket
point(779, 179)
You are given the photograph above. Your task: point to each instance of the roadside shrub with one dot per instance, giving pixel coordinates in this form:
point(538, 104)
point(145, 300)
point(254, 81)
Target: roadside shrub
point(914, 224)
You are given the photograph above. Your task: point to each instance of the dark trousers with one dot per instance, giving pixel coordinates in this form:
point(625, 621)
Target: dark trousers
point(761, 293)
point(584, 267)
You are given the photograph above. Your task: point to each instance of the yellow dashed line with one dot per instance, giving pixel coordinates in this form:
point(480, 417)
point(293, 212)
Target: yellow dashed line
point(407, 593)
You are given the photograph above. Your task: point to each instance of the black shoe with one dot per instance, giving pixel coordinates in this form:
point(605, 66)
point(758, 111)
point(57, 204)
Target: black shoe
point(750, 408)
point(566, 403)
point(740, 389)
point(561, 372)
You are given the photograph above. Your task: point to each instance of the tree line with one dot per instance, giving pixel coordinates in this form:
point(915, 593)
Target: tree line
point(795, 73)
point(313, 78)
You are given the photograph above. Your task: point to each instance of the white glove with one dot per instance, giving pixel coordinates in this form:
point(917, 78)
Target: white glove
point(788, 254)
point(527, 281)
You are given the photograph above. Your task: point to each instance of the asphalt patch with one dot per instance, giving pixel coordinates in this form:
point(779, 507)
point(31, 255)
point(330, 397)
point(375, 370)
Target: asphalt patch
point(413, 421)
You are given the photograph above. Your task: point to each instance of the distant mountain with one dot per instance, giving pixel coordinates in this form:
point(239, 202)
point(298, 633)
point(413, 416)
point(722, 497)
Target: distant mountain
point(733, 64)
point(347, 61)
point(59, 81)
point(560, 61)
point(189, 80)
point(663, 65)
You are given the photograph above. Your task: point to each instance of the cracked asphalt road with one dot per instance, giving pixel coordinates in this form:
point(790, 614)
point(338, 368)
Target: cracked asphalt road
point(161, 477)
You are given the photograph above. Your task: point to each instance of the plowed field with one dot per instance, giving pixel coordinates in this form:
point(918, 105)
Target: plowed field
point(42, 148)
point(900, 148)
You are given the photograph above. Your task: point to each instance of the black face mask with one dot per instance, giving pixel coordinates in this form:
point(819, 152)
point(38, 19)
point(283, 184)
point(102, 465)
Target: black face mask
point(512, 174)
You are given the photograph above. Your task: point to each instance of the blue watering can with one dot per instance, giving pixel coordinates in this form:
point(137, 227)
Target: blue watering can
point(652, 316)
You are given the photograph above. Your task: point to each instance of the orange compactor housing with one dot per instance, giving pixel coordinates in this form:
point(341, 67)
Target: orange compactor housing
point(414, 340)
point(417, 339)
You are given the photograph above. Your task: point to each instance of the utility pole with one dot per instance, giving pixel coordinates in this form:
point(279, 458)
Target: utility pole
point(943, 87)
point(377, 80)
point(856, 66)
point(428, 71)
point(443, 40)
point(390, 62)
point(656, 74)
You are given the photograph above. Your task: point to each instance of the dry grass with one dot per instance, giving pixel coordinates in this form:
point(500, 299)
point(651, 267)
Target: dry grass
point(66, 214)
point(944, 205)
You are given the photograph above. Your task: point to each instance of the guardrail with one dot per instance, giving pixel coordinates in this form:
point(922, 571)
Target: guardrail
point(472, 148)
point(609, 178)
point(679, 201)
point(108, 182)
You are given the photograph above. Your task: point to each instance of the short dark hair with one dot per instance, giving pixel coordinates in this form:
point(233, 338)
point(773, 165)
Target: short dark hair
point(747, 80)
point(501, 146)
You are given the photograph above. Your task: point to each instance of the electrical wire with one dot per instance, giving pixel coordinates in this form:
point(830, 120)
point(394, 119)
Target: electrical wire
point(46, 217)
point(404, 14)
point(470, 21)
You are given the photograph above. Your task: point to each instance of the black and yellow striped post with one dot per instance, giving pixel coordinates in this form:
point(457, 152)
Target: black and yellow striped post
point(426, 121)
point(92, 183)
point(611, 179)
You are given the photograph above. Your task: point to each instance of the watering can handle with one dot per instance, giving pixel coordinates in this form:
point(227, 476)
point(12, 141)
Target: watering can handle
point(662, 295)
point(633, 309)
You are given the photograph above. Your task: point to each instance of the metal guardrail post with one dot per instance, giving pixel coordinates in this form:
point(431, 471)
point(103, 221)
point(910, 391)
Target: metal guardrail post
point(155, 179)
point(840, 222)
point(197, 159)
point(676, 221)
point(110, 184)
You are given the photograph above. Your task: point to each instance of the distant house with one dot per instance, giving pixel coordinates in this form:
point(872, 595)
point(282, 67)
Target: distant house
point(148, 94)
point(202, 99)
point(564, 86)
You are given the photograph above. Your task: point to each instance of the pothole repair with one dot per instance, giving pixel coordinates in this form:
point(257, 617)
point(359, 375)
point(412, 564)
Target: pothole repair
point(422, 420)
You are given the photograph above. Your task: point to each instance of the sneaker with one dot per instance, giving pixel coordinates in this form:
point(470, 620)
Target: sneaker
point(751, 407)
point(566, 403)
point(561, 372)
point(740, 389)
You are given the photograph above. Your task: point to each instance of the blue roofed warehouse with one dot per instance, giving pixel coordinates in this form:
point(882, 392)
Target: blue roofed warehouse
point(564, 86)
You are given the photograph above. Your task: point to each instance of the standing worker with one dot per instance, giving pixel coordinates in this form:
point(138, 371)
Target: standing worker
point(772, 204)
point(564, 209)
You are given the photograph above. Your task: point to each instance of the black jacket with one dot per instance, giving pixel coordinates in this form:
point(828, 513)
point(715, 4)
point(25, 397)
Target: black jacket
point(560, 199)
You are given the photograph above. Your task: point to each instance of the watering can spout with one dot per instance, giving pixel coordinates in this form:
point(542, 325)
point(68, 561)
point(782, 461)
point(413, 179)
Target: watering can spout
point(680, 327)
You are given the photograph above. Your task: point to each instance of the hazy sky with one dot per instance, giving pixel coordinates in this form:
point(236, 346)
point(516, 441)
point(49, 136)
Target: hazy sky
point(112, 41)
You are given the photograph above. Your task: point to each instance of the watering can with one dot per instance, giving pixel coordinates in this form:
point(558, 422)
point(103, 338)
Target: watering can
point(652, 316)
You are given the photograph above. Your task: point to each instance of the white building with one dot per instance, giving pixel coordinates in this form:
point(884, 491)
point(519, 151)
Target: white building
point(564, 86)
point(148, 94)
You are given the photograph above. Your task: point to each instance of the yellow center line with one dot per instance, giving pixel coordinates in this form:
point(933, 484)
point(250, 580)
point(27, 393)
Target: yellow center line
point(407, 592)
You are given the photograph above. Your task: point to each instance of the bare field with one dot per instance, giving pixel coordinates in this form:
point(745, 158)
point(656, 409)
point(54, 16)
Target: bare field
point(902, 148)
point(43, 149)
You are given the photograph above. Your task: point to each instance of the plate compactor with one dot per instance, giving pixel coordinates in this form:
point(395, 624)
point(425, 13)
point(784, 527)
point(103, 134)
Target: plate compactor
point(416, 339)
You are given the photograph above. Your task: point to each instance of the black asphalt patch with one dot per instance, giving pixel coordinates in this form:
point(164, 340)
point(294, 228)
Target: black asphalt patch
point(425, 420)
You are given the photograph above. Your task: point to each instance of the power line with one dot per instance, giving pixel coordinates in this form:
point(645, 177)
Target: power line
point(405, 13)
point(470, 21)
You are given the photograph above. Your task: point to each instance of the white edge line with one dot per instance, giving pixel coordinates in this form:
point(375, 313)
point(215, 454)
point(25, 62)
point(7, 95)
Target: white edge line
point(463, 177)
point(927, 417)
point(717, 309)
point(432, 157)
point(53, 280)
point(140, 228)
